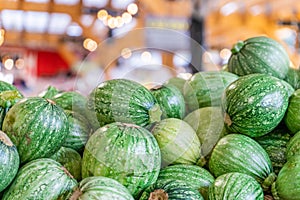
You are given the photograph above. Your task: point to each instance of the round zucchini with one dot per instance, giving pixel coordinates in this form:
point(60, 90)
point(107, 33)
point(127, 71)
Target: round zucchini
point(178, 142)
point(292, 117)
point(100, 188)
point(9, 159)
point(125, 152)
point(259, 55)
point(122, 100)
point(240, 153)
point(254, 104)
point(235, 185)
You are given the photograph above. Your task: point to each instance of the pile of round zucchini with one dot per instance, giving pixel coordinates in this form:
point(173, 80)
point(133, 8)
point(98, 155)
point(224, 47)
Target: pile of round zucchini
point(228, 134)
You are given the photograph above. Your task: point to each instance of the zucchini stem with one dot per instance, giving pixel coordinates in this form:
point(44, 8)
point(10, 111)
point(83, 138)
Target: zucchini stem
point(159, 194)
point(155, 114)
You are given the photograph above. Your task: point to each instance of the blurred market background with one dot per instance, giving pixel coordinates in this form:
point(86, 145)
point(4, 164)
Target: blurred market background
point(75, 44)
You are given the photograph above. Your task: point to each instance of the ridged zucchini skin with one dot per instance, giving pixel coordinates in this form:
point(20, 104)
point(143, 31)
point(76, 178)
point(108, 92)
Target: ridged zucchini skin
point(125, 152)
point(39, 179)
point(9, 159)
point(205, 88)
point(287, 183)
point(122, 100)
point(240, 153)
point(235, 186)
point(178, 142)
point(209, 125)
point(100, 188)
point(275, 144)
point(75, 101)
point(37, 127)
point(293, 146)
point(293, 78)
point(170, 100)
point(79, 131)
point(193, 175)
point(254, 104)
point(292, 116)
point(170, 190)
point(259, 55)
point(70, 159)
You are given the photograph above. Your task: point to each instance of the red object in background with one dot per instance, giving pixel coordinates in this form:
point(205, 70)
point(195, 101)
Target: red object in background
point(50, 63)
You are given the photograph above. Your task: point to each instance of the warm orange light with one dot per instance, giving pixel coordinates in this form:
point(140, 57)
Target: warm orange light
point(132, 8)
point(9, 64)
point(90, 44)
point(102, 14)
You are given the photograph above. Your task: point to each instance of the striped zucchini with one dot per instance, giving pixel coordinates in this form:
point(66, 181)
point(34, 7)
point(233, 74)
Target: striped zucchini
point(206, 88)
point(70, 159)
point(235, 185)
point(292, 116)
point(9, 159)
point(240, 153)
point(209, 125)
point(275, 144)
point(178, 142)
point(293, 78)
point(100, 188)
point(254, 104)
point(287, 183)
point(125, 152)
point(170, 190)
point(193, 175)
point(37, 127)
point(293, 146)
point(170, 100)
point(79, 131)
point(42, 178)
point(122, 100)
point(259, 55)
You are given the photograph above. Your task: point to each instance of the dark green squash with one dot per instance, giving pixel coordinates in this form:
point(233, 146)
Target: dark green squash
point(170, 100)
point(275, 144)
point(193, 175)
point(42, 178)
point(240, 153)
point(125, 152)
point(235, 185)
point(293, 78)
point(254, 104)
point(99, 187)
point(79, 131)
point(259, 55)
point(287, 183)
point(9, 159)
point(170, 190)
point(70, 159)
point(122, 100)
point(37, 127)
point(293, 146)
point(292, 116)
